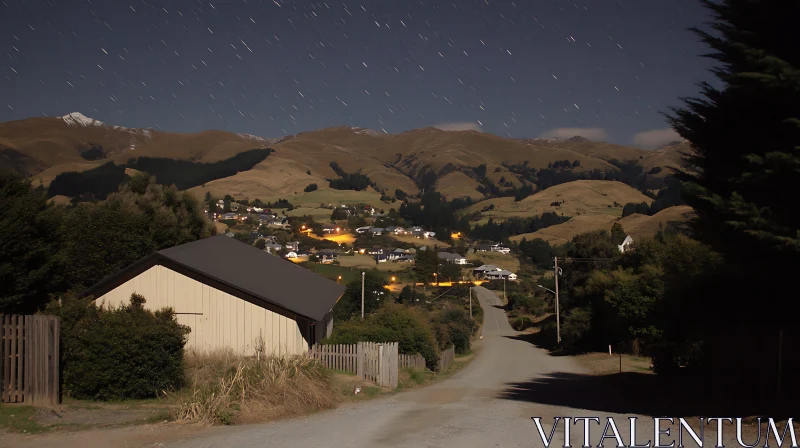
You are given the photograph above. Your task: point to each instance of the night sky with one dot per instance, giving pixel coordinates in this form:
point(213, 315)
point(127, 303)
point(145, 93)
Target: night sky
point(525, 68)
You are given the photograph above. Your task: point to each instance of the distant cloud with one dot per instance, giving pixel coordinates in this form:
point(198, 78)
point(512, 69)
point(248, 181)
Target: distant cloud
point(459, 126)
point(590, 133)
point(656, 138)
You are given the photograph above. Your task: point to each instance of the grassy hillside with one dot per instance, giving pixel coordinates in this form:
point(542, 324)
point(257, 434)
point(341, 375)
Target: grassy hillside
point(666, 157)
point(457, 163)
point(636, 225)
point(50, 142)
point(582, 197)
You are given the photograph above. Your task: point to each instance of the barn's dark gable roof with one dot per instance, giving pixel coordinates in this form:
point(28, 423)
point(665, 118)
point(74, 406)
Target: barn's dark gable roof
point(244, 268)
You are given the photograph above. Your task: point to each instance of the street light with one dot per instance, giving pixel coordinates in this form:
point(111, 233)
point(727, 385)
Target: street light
point(546, 289)
point(558, 314)
point(393, 279)
point(436, 278)
point(339, 279)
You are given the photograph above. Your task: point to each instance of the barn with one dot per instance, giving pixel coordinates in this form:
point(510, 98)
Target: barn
point(231, 294)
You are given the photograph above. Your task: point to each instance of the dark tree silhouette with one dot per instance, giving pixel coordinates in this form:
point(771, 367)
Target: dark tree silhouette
point(742, 179)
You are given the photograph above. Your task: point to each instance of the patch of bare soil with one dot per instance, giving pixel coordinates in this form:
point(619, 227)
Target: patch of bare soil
point(604, 364)
point(129, 437)
point(93, 417)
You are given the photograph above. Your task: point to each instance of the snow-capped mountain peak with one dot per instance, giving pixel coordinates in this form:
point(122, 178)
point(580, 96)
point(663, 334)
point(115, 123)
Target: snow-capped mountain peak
point(78, 119)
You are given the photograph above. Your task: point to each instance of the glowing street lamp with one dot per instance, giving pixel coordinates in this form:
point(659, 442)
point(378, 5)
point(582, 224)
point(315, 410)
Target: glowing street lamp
point(339, 279)
point(436, 278)
point(393, 279)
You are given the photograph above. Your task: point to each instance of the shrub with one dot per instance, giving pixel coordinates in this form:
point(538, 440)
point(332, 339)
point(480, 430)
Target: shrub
point(310, 187)
point(458, 329)
point(577, 324)
point(527, 304)
point(521, 323)
point(392, 323)
point(229, 389)
point(118, 353)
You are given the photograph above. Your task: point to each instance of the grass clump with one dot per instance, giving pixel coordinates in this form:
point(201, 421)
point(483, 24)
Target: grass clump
point(227, 389)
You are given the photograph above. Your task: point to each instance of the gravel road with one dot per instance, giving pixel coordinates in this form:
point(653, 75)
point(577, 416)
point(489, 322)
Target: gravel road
point(489, 403)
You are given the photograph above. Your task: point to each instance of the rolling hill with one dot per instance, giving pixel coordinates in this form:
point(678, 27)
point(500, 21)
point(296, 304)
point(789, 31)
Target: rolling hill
point(666, 157)
point(636, 225)
point(457, 163)
point(580, 197)
point(45, 147)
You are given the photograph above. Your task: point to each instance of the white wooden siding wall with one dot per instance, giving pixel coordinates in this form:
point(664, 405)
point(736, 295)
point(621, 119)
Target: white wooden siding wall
point(225, 320)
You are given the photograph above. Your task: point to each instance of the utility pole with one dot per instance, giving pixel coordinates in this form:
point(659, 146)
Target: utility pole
point(558, 316)
point(470, 302)
point(504, 291)
point(362, 294)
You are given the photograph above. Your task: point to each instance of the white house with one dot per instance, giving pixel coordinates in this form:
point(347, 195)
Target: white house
point(500, 249)
point(483, 270)
point(231, 295)
point(626, 244)
point(452, 258)
point(501, 274)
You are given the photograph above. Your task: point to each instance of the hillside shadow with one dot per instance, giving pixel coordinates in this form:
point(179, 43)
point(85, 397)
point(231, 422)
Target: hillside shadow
point(636, 393)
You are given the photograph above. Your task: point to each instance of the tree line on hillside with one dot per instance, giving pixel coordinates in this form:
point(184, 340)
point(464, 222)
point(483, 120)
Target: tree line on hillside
point(185, 174)
point(716, 306)
point(502, 230)
point(348, 181)
point(434, 212)
point(48, 250)
point(97, 183)
point(668, 196)
point(94, 184)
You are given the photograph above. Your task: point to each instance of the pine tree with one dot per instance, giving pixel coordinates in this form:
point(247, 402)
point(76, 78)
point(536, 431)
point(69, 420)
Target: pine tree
point(745, 169)
point(618, 233)
point(742, 179)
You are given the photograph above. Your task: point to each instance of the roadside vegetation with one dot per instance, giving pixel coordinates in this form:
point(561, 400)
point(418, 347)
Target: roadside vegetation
point(681, 299)
point(224, 388)
point(422, 323)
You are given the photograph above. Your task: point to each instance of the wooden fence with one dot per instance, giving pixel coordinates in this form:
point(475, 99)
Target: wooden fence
point(448, 356)
point(29, 360)
point(378, 363)
point(369, 360)
point(374, 362)
point(337, 356)
point(412, 361)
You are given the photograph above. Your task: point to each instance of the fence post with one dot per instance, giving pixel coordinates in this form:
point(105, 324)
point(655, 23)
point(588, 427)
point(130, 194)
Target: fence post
point(360, 360)
point(381, 366)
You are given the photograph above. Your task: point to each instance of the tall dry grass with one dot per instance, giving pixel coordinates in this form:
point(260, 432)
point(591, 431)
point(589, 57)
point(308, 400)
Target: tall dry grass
point(228, 389)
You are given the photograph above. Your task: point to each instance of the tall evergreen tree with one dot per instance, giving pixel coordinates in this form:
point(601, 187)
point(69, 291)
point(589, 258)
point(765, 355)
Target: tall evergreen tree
point(618, 233)
point(745, 168)
point(741, 179)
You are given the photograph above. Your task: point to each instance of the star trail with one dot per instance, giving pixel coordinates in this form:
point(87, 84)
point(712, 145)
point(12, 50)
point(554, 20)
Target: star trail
point(602, 69)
